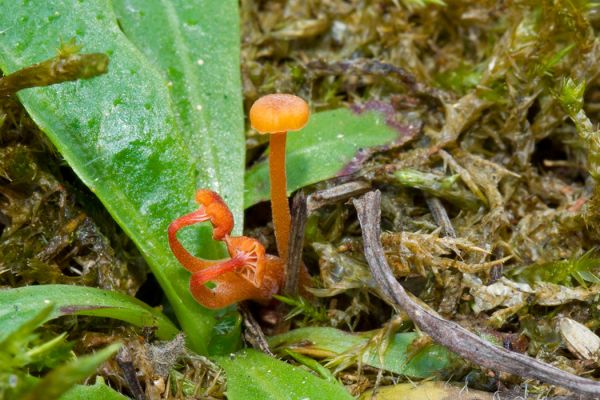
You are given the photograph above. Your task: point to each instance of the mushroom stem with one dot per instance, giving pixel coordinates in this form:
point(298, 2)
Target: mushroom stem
point(187, 260)
point(233, 288)
point(279, 201)
point(207, 274)
point(248, 274)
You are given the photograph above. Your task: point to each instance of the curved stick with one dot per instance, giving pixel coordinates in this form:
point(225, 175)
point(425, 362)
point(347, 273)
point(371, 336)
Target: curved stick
point(448, 333)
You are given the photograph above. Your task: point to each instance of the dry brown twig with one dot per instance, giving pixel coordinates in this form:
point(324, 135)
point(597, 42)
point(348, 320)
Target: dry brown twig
point(448, 333)
point(294, 262)
point(302, 206)
point(336, 194)
point(125, 362)
point(440, 216)
point(381, 69)
point(253, 333)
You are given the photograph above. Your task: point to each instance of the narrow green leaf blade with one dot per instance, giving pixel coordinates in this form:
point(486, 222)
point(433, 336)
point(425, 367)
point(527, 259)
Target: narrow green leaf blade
point(61, 379)
point(321, 150)
point(17, 306)
point(120, 134)
point(16, 323)
point(398, 357)
point(254, 375)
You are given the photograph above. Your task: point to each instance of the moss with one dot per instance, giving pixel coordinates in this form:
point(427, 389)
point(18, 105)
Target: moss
point(506, 94)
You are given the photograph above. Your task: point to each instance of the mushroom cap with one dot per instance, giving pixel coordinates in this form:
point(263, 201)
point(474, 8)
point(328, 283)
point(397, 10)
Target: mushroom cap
point(278, 113)
point(253, 269)
point(218, 212)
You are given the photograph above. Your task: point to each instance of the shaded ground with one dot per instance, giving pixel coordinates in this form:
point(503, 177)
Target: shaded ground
point(489, 213)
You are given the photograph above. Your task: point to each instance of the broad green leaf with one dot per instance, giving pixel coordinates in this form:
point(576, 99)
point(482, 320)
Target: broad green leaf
point(21, 307)
point(254, 375)
point(61, 379)
point(321, 150)
point(128, 134)
point(97, 391)
point(399, 357)
point(197, 48)
point(228, 332)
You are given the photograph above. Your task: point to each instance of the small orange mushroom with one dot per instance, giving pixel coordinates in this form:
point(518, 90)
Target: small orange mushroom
point(277, 114)
point(212, 208)
point(220, 216)
point(234, 285)
point(247, 257)
point(253, 254)
point(248, 273)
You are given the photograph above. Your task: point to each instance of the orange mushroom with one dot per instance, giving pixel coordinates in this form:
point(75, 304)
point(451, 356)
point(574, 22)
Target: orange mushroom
point(248, 273)
point(220, 216)
point(212, 208)
point(277, 114)
point(247, 257)
point(234, 286)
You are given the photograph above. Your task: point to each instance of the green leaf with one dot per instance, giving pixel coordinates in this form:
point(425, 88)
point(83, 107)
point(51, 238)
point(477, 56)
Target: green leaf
point(17, 355)
point(228, 332)
point(570, 96)
point(18, 323)
point(570, 272)
point(398, 357)
point(321, 150)
point(21, 348)
point(197, 48)
point(97, 391)
point(551, 60)
point(442, 186)
point(129, 134)
point(61, 379)
point(20, 308)
point(254, 375)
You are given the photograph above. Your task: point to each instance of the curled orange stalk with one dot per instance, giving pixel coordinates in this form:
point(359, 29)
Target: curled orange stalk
point(248, 273)
point(211, 208)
